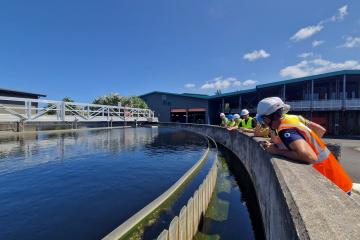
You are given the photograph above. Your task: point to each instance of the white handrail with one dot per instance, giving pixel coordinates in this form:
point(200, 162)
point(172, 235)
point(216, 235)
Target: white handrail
point(27, 109)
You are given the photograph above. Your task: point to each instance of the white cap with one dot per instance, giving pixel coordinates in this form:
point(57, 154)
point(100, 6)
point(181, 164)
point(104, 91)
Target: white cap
point(236, 116)
point(222, 115)
point(244, 112)
point(270, 105)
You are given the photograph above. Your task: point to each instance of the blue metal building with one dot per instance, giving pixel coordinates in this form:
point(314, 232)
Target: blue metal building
point(330, 99)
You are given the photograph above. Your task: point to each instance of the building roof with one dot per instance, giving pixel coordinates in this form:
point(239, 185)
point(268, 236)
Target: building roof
point(233, 93)
point(196, 95)
point(289, 81)
point(21, 92)
point(193, 95)
point(309, 78)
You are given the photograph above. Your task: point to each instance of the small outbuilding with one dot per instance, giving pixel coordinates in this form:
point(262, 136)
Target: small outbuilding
point(173, 107)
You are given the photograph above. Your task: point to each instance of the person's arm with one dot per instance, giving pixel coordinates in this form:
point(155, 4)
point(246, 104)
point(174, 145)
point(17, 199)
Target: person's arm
point(259, 131)
point(297, 148)
point(300, 151)
point(317, 128)
point(232, 128)
point(248, 130)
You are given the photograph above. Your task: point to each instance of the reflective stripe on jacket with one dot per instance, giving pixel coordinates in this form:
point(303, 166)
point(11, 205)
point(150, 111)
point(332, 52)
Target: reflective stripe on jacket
point(274, 134)
point(326, 162)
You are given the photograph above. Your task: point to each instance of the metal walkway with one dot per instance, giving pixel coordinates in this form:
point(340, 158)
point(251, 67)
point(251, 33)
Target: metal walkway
point(40, 110)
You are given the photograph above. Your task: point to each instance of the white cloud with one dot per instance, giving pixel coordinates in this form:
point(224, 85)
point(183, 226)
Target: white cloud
point(255, 55)
point(351, 42)
point(317, 66)
point(189, 85)
point(306, 32)
point(220, 83)
point(237, 83)
point(249, 82)
point(309, 31)
point(306, 55)
point(342, 12)
point(317, 43)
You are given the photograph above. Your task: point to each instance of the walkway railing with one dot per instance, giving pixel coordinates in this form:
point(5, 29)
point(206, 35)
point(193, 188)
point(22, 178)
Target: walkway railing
point(352, 104)
point(28, 110)
point(185, 225)
point(300, 105)
point(331, 104)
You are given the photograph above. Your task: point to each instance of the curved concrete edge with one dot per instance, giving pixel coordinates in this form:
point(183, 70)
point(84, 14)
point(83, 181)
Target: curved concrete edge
point(296, 202)
point(129, 224)
point(185, 224)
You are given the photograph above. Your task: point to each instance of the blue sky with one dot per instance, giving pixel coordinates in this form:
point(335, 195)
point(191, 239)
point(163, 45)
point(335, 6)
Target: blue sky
point(85, 49)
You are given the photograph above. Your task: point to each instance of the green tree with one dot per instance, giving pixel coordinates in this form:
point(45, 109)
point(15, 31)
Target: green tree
point(218, 92)
point(135, 102)
point(113, 99)
point(67, 99)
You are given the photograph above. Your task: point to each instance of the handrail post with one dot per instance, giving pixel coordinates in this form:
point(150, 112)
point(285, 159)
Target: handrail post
point(62, 111)
point(28, 109)
point(125, 116)
point(119, 107)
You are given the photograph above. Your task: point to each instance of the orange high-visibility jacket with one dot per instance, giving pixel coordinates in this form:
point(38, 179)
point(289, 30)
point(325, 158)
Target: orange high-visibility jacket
point(326, 163)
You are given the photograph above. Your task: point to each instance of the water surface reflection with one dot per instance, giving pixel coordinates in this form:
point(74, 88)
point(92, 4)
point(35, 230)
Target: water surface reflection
point(83, 184)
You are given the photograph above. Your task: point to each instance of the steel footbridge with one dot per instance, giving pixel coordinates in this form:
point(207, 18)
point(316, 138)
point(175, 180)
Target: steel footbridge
point(41, 110)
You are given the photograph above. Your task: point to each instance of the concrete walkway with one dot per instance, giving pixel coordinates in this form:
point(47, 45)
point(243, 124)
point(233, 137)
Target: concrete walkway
point(350, 156)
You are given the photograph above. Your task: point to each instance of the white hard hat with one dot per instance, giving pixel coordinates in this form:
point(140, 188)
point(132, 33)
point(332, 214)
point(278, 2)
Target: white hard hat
point(222, 115)
point(270, 105)
point(236, 116)
point(244, 112)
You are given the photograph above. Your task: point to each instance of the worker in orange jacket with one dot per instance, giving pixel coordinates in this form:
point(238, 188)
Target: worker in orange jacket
point(301, 142)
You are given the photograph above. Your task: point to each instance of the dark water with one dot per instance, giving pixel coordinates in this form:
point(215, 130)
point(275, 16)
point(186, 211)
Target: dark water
point(81, 185)
point(173, 209)
point(233, 212)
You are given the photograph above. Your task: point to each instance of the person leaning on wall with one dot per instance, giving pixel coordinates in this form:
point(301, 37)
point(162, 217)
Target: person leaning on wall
point(248, 123)
point(301, 140)
point(237, 121)
point(231, 121)
point(224, 120)
point(318, 129)
point(262, 131)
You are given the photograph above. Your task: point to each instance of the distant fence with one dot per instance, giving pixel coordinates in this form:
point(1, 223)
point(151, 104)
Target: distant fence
point(41, 110)
point(185, 225)
point(190, 215)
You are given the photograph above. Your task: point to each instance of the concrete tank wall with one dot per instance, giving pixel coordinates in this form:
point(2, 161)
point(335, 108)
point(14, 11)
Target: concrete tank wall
point(296, 201)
